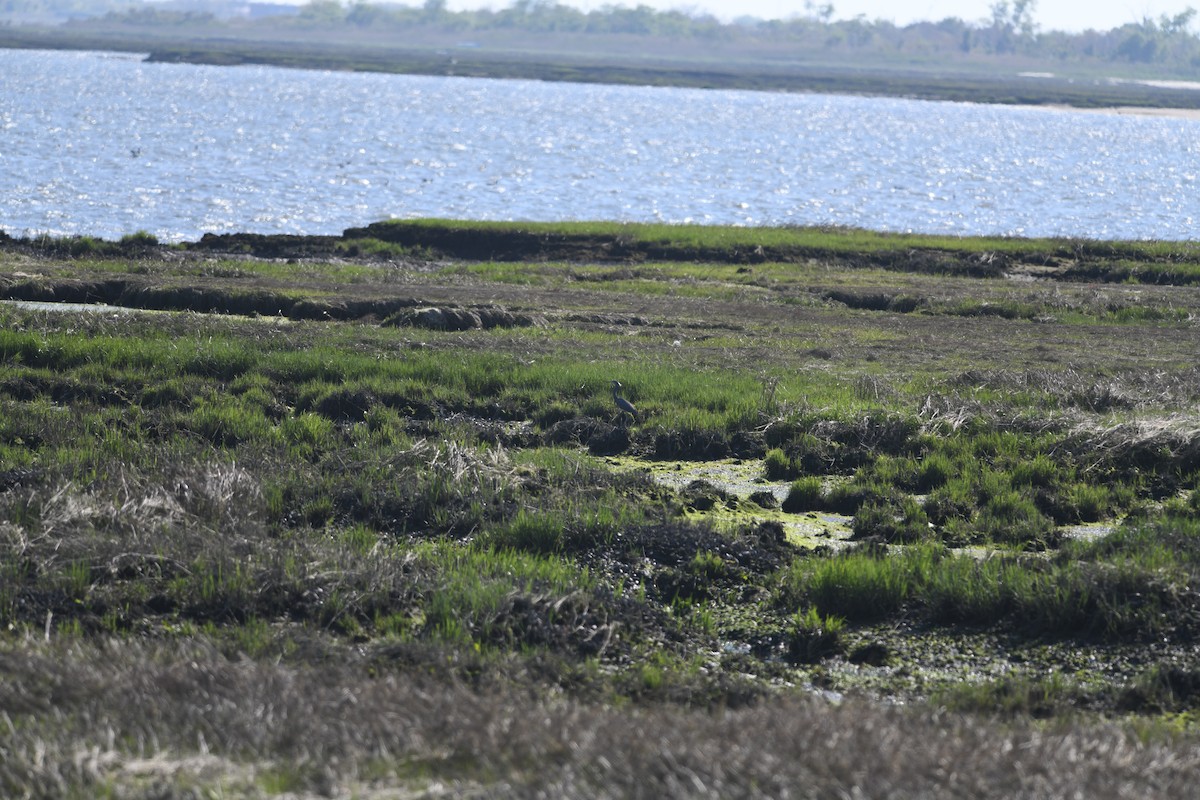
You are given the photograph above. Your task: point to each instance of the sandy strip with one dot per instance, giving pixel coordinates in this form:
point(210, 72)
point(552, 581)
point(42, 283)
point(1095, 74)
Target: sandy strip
point(1140, 111)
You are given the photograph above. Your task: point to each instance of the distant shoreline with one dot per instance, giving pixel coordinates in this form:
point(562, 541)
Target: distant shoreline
point(872, 80)
point(1014, 90)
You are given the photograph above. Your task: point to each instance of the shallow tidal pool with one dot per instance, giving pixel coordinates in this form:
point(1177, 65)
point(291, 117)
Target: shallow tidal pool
point(738, 480)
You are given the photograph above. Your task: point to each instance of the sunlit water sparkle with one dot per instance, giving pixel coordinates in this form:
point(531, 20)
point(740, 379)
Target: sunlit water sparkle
point(104, 145)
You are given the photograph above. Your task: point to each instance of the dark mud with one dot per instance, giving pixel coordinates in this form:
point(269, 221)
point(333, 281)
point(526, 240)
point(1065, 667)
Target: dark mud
point(212, 298)
point(207, 299)
point(515, 244)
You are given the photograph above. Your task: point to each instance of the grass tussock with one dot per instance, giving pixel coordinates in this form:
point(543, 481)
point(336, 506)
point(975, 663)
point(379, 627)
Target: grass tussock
point(1131, 585)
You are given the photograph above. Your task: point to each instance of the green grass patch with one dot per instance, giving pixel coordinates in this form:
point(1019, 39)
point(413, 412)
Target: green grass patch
point(1122, 586)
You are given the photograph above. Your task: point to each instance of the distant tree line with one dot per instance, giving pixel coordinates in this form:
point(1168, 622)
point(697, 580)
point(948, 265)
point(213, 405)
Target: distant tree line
point(1167, 41)
point(63, 9)
point(539, 16)
point(1010, 30)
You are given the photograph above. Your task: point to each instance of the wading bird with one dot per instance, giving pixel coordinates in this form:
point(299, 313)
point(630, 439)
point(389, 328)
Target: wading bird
point(623, 405)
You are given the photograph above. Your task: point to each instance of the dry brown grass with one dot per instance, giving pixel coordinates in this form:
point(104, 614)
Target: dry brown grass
point(129, 523)
point(1163, 443)
point(154, 721)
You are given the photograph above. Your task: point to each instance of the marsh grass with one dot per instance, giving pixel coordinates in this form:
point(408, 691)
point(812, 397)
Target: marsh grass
point(216, 517)
point(199, 549)
point(846, 240)
point(1019, 696)
point(1114, 590)
point(805, 494)
point(978, 484)
point(174, 371)
point(812, 638)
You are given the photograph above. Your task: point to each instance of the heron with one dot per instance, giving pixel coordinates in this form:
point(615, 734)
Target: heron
point(623, 405)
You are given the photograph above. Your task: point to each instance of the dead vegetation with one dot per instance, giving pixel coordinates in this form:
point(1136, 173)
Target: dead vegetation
point(112, 715)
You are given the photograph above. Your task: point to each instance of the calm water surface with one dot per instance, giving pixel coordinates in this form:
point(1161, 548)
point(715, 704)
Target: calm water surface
point(104, 145)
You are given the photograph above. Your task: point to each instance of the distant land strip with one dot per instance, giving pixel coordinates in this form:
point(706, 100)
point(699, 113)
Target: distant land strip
point(874, 80)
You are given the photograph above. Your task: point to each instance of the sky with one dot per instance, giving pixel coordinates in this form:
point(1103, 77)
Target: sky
point(1063, 15)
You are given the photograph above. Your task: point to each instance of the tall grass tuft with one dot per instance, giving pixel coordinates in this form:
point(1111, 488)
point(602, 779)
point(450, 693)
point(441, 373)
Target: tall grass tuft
point(805, 494)
point(529, 532)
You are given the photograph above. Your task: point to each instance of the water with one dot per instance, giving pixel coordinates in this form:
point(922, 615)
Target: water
point(104, 145)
